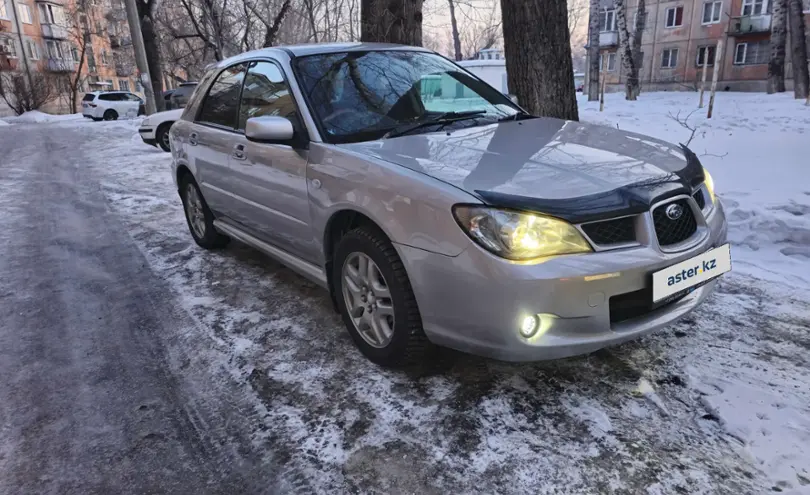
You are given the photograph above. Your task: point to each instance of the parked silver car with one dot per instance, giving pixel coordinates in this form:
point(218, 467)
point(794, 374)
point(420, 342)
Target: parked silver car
point(436, 211)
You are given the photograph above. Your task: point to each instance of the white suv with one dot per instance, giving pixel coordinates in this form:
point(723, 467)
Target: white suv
point(109, 105)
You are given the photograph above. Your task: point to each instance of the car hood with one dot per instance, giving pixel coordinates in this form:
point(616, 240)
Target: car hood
point(570, 169)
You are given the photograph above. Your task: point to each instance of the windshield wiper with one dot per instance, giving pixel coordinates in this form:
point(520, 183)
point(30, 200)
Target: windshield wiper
point(441, 119)
point(517, 116)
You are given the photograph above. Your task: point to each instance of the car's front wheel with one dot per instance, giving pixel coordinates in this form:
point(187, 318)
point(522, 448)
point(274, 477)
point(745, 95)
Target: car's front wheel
point(376, 300)
point(162, 136)
point(199, 217)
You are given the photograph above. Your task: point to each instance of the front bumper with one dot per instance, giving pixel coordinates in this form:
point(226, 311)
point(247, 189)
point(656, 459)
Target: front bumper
point(148, 135)
point(474, 302)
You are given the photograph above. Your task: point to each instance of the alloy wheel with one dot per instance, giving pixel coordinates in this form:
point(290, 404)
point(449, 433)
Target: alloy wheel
point(368, 299)
point(194, 211)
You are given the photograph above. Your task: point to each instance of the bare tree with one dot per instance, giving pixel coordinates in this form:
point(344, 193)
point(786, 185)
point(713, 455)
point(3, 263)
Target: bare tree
point(538, 56)
point(392, 21)
point(23, 93)
point(630, 46)
point(798, 44)
point(454, 30)
point(776, 65)
point(593, 51)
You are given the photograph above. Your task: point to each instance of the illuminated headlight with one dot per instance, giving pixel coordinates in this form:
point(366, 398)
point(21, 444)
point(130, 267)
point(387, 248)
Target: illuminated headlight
point(519, 236)
point(707, 179)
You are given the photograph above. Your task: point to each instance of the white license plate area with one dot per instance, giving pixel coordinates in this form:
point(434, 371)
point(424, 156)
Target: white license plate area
point(691, 272)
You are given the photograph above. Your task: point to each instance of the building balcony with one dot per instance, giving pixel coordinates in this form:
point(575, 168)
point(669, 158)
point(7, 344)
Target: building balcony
point(750, 24)
point(54, 31)
point(124, 71)
point(120, 41)
point(609, 38)
point(60, 65)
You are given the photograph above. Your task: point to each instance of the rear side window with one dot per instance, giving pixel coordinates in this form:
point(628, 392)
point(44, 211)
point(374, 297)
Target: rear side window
point(89, 97)
point(221, 104)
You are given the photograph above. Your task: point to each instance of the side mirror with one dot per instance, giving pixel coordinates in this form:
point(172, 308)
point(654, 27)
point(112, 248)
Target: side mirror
point(269, 129)
point(514, 99)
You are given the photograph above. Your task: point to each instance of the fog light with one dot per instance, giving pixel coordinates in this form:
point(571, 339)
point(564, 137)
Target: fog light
point(529, 326)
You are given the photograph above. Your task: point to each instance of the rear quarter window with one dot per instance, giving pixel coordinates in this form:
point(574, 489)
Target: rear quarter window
point(89, 97)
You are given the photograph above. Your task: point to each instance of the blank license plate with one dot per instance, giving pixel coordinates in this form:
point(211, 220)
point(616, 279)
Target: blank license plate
point(691, 272)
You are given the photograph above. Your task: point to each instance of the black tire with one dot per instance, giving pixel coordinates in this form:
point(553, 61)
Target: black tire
point(110, 115)
point(211, 239)
point(408, 344)
point(162, 135)
point(95, 119)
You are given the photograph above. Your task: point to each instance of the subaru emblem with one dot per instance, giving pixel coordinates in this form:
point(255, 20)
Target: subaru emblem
point(674, 211)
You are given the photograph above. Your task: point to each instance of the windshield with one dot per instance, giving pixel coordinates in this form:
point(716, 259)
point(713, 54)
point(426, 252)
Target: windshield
point(361, 96)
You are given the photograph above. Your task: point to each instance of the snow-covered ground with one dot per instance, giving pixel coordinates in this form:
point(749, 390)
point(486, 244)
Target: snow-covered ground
point(37, 117)
point(718, 403)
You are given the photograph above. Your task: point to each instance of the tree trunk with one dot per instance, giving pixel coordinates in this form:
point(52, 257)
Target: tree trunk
point(454, 26)
point(593, 52)
point(630, 47)
point(776, 66)
point(798, 45)
point(272, 29)
point(391, 21)
point(538, 56)
point(152, 48)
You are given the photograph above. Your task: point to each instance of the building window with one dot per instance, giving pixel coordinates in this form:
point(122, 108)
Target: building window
point(74, 52)
point(669, 58)
point(31, 49)
point(54, 49)
point(104, 60)
point(50, 14)
point(3, 10)
point(805, 3)
point(752, 53)
point(607, 20)
point(123, 85)
point(25, 13)
point(754, 7)
point(8, 47)
point(711, 12)
point(607, 63)
point(701, 55)
point(674, 17)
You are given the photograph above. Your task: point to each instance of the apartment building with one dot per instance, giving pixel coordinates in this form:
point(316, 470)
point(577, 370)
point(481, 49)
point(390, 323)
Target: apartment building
point(46, 36)
point(678, 34)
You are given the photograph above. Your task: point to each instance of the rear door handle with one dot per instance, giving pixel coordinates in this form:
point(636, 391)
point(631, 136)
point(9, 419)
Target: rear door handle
point(239, 152)
point(192, 138)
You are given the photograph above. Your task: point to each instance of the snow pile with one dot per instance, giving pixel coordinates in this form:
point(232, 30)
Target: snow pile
point(37, 117)
point(3, 122)
point(755, 145)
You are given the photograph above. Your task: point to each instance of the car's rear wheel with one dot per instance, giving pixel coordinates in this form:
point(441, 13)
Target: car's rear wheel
point(376, 300)
point(162, 136)
point(199, 217)
point(110, 115)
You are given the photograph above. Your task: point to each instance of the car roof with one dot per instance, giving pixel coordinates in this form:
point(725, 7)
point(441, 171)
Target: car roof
point(293, 51)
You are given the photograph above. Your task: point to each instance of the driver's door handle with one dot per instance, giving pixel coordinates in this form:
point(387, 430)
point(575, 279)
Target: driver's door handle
point(192, 139)
point(239, 152)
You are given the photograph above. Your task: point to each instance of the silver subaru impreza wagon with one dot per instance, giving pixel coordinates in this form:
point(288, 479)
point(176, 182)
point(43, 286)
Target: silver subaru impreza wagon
point(436, 211)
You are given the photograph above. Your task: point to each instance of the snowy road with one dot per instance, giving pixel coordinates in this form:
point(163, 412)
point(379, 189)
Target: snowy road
point(88, 402)
point(248, 376)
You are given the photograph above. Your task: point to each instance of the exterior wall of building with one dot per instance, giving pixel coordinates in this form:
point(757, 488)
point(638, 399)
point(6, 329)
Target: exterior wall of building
point(98, 68)
point(688, 39)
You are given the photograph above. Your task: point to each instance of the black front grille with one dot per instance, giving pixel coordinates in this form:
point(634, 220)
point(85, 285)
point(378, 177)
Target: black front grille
point(672, 231)
point(615, 231)
point(700, 199)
